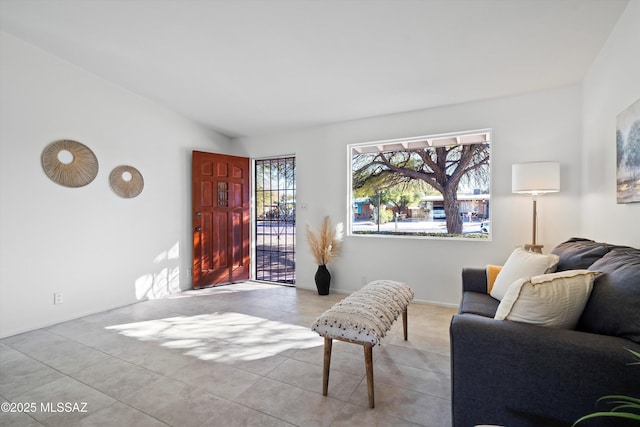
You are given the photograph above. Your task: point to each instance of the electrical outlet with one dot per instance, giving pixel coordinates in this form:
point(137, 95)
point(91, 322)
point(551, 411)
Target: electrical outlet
point(58, 298)
point(363, 280)
point(189, 272)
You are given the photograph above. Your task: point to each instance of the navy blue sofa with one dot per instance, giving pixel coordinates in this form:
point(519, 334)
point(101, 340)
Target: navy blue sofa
point(522, 375)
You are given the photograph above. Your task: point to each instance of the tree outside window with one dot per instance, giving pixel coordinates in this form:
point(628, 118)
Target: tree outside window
point(436, 186)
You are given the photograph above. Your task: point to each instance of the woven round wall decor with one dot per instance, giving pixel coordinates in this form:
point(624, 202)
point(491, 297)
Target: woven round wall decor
point(69, 163)
point(126, 181)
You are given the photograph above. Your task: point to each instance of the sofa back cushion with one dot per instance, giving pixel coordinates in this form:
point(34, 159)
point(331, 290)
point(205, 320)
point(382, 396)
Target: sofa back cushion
point(614, 305)
point(578, 254)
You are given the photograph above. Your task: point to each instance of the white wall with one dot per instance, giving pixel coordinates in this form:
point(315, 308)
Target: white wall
point(536, 126)
point(612, 84)
point(100, 250)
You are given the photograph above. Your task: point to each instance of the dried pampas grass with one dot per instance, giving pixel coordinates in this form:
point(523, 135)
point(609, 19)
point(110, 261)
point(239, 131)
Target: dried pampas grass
point(326, 246)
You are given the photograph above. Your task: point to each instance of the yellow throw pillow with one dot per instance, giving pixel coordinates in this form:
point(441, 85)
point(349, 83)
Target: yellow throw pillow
point(492, 273)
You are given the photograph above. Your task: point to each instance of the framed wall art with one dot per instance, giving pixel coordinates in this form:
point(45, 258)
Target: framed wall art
point(628, 154)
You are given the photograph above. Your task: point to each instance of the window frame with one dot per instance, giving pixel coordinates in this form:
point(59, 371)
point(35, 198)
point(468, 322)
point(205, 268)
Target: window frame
point(407, 141)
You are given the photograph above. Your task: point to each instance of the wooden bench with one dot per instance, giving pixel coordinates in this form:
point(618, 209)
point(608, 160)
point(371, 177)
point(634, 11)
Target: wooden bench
point(364, 318)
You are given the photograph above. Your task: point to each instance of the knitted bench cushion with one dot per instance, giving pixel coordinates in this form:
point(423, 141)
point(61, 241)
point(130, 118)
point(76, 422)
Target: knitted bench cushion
point(366, 315)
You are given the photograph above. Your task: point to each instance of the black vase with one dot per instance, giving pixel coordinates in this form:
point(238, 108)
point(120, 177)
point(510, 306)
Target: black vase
point(323, 280)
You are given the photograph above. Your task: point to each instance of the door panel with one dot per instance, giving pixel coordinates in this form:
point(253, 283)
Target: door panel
point(220, 187)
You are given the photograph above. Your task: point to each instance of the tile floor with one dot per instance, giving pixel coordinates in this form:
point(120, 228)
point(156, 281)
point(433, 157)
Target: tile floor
point(238, 355)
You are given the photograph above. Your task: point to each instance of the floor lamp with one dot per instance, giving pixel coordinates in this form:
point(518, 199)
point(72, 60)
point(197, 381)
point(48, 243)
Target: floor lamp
point(535, 178)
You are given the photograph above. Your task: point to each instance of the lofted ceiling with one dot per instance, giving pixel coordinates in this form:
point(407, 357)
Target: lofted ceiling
point(249, 67)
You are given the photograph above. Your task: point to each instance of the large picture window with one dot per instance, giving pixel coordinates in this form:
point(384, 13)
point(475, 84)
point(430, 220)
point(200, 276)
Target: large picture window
point(436, 186)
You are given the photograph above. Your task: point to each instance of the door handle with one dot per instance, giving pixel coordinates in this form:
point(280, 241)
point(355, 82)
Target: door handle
point(198, 228)
point(198, 213)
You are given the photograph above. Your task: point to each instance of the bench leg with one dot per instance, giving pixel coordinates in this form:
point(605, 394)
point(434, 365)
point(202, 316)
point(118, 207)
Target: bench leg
point(405, 326)
point(327, 362)
point(368, 363)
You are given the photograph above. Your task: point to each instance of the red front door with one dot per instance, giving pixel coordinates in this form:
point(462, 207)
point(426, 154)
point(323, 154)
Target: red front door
point(220, 199)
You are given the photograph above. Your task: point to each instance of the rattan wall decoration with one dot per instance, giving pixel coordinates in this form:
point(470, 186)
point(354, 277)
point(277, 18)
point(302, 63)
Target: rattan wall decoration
point(80, 165)
point(126, 181)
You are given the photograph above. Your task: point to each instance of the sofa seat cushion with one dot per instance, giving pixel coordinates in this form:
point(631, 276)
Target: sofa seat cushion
point(577, 254)
point(478, 303)
point(613, 308)
point(554, 300)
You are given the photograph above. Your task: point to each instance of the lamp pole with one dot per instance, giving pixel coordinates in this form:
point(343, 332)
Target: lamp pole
point(534, 247)
point(378, 211)
point(535, 219)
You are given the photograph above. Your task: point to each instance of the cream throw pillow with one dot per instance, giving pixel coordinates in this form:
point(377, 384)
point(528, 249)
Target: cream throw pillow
point(521, 264)
point(555, 300)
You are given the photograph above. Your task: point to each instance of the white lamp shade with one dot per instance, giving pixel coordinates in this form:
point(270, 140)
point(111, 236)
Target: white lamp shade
point(535, 177)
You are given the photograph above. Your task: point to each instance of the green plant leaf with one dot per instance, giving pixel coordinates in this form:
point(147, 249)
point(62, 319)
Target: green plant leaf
point(631, 406)
point(625, 403)
point(628, 416)
point(617, 398)
point(636, 355)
